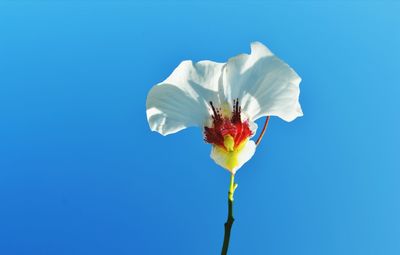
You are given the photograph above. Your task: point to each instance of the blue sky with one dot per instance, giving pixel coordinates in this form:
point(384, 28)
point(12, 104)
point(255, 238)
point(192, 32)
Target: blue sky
point(81, 173)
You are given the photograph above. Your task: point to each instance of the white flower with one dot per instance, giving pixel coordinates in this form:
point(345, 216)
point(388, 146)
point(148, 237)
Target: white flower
point(224, 99)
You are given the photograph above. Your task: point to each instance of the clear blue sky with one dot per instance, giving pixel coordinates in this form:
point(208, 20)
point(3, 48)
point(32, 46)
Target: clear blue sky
point(81, 173)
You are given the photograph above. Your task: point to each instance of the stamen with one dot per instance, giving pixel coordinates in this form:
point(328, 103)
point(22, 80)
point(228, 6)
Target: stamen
point(236, 112)
point(217, 115)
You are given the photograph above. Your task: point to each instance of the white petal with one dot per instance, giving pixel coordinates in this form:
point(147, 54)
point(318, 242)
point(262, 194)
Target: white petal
point(182, 99)
point(222, 157)
point(264, 84)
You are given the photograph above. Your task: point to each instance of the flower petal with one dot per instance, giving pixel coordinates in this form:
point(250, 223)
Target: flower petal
point(264, 84)
point(234, 160)
point(182, 99)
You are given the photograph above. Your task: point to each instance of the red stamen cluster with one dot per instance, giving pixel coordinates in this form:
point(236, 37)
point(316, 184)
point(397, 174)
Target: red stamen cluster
point(223, 125)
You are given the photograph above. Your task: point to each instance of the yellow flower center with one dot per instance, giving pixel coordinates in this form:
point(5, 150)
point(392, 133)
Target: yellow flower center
point(229, 153)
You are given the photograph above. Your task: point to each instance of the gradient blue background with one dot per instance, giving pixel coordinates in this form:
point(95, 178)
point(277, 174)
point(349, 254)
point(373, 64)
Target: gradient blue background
point(81, 173)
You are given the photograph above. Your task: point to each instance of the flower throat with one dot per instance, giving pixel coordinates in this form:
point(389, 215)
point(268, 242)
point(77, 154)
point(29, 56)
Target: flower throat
point(228, 130)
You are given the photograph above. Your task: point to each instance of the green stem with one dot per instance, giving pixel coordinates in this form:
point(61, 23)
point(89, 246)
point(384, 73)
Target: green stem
point(230, 219)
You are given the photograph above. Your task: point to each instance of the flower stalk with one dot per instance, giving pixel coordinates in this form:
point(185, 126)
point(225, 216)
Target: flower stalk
point(230, 219)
